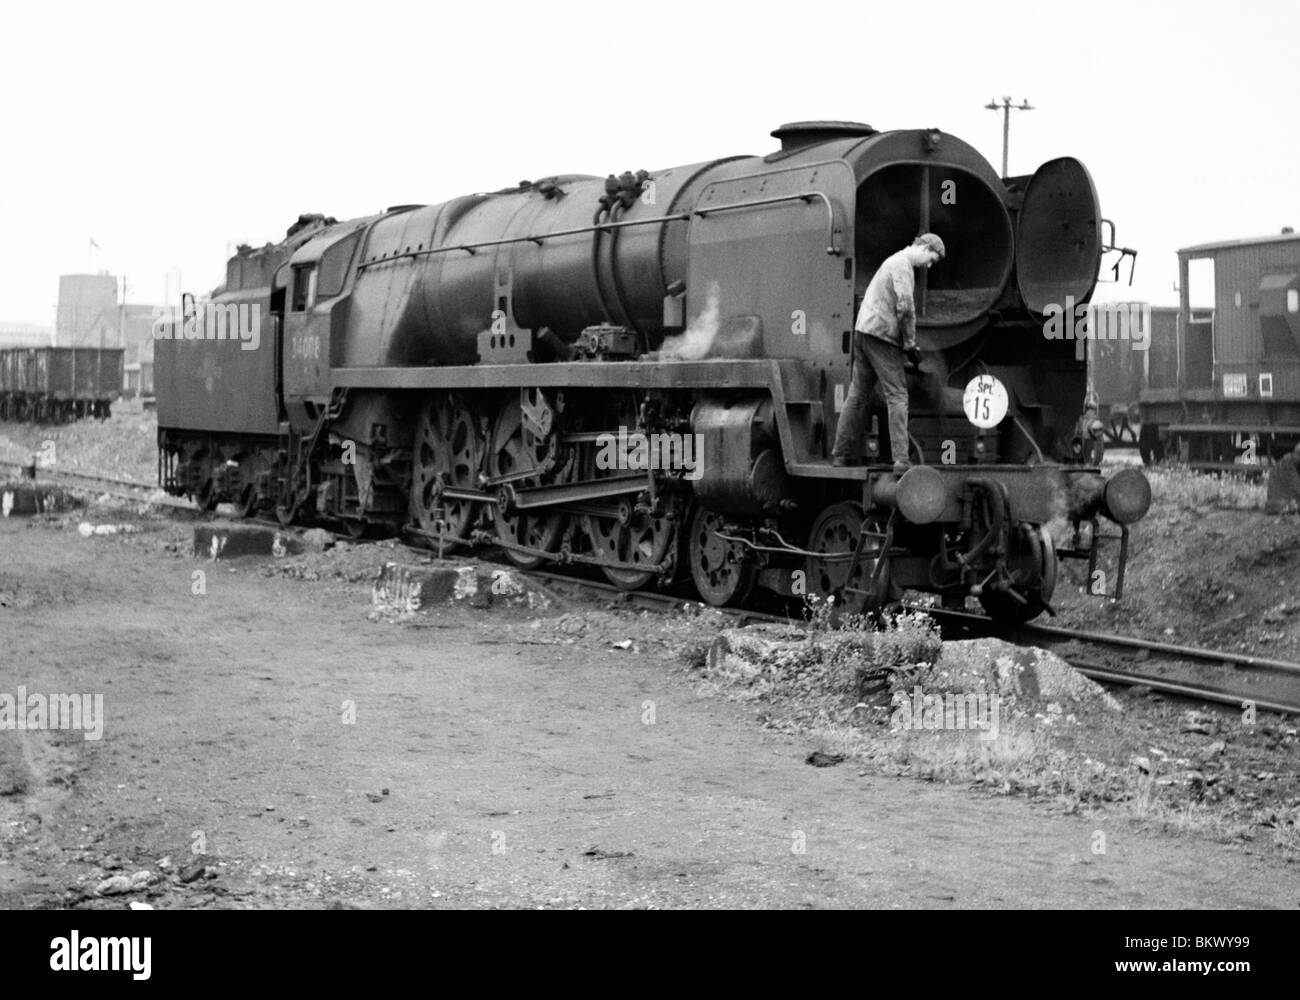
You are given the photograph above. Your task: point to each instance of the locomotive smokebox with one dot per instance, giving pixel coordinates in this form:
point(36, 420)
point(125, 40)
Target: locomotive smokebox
point(1045, 230)
point(917, 181)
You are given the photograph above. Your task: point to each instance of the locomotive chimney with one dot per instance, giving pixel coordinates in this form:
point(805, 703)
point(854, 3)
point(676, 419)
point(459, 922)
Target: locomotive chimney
point(798, 135)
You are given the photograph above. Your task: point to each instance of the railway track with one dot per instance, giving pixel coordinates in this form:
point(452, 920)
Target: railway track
point(90, 482)
point(1054, 638)
point(1147, 653)
point(1150, 654)
point(1042, 635)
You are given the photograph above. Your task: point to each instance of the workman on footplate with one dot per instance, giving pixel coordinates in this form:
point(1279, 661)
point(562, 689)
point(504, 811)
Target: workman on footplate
point(884, 337)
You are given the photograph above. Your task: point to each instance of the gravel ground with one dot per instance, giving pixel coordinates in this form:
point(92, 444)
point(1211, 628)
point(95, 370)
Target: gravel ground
point(267, 745)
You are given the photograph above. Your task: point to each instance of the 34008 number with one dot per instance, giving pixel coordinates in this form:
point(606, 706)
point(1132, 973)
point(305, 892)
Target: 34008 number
point(305, 347)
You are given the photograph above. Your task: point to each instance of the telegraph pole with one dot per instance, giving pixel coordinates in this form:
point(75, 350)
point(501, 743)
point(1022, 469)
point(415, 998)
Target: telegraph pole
point(121, 317)
point(1006, 107)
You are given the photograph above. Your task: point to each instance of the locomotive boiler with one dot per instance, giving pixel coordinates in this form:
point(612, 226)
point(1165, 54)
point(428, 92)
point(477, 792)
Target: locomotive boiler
point(462, 371)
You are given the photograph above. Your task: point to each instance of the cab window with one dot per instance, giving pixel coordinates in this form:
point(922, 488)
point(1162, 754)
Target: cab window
point(304, 288)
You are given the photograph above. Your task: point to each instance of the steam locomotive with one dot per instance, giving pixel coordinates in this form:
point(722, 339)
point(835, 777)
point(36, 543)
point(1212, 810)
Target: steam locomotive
point(461, 372)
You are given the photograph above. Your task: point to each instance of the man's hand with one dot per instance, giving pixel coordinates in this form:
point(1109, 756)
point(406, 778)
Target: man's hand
point(914, 357)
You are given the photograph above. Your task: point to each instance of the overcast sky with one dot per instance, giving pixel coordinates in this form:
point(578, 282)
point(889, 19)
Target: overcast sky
point(169, 132)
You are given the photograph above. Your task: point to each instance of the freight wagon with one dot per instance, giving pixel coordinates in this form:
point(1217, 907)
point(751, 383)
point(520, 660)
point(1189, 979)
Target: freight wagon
point(58, 384)
point(1225, 393)
point(1120, 369)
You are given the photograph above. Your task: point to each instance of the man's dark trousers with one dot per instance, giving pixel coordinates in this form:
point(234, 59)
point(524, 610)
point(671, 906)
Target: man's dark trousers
point(873, 360)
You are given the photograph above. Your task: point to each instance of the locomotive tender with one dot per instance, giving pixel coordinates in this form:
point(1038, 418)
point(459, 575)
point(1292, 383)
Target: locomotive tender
point(455, 370)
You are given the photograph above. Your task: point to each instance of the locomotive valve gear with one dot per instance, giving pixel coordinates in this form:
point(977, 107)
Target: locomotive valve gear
point(885, 334)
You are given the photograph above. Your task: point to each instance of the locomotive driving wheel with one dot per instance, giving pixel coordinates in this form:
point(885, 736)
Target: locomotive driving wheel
point(722, 574)
point(448, 451)
point(630, 536)
point(1031, 566)
point(516, 449)
point(633, 536)
point(857, 588)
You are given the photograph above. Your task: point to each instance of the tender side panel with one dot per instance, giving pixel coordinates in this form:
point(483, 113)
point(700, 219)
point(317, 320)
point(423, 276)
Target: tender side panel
point(221, 386)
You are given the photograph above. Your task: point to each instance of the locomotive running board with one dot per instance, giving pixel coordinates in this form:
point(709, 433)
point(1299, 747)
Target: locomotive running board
point(720, 374)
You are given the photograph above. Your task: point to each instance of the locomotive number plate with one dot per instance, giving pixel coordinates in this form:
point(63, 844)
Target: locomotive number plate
point(306, 347)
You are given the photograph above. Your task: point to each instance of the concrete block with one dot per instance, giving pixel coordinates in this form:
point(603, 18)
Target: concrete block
point(26, 499)
point(220, 540)
point(407, 587)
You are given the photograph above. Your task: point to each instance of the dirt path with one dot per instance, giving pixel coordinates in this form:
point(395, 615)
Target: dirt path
point(478, 772)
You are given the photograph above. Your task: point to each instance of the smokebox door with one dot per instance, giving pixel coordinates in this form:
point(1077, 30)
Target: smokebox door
point(1058, 235)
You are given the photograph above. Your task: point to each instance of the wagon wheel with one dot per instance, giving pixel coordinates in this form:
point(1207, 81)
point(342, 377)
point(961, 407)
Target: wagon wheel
point(722, 574)
point(1120, 433)
point(207, 496)
point(292, 498)
point(287, 513)
point(836, 533)
point(247, 503)
point(1031, 564)
point(513, 449)
point(448, 453)
point(1150, 447)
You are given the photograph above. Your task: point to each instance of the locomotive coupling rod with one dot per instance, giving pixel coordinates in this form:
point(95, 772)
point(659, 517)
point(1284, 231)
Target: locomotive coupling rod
point(597, 489)
point(457, 493)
